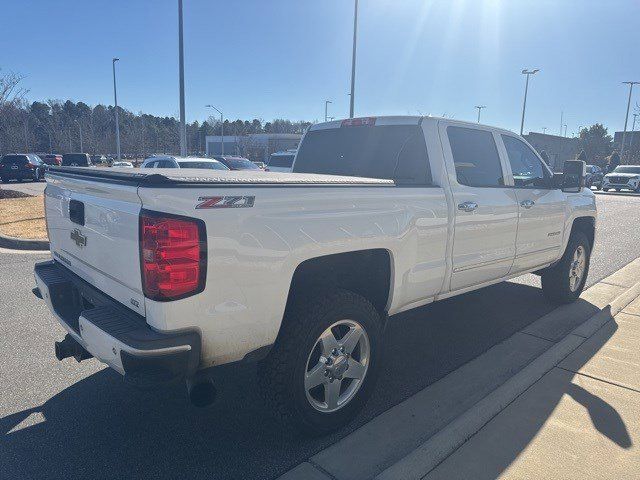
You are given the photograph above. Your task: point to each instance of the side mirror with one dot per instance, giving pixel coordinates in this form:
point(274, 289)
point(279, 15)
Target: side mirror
point(573, 175)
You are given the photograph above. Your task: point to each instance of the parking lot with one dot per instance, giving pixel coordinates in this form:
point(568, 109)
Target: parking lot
point(69, 420)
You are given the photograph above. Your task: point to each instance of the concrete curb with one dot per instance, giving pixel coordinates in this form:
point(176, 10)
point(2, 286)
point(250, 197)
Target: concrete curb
point(425, 458)
point(23, 243)
point(609, 296)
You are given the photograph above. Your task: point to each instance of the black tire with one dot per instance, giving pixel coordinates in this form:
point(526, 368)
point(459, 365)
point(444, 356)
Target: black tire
point(556, 280)
point(599, 186)
point(5, 180)
point(618, 189)
point(281, 375)
point(605, 189)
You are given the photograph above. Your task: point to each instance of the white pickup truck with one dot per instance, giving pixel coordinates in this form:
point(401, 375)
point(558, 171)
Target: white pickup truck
point(165, 274)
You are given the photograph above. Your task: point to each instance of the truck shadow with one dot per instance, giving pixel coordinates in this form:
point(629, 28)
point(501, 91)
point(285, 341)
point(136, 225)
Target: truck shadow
point(100, 427)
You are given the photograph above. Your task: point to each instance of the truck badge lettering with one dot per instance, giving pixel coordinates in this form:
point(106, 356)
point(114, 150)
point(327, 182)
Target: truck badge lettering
point(79, 238)
point(226, 202)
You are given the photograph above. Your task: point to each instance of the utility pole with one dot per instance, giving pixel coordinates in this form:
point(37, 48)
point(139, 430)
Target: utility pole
point(528, 73)
point(115, 101)
point(480, 107)
point(183, 126)
point(626, 117)
point(633, 125)
point(80, 127)
point(221, 128)
point(565, 129)
point(353, 59)
point(326, 103)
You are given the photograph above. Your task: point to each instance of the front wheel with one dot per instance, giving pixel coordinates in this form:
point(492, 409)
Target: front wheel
point(605, 189)
point(324, 363)
point(564, 282)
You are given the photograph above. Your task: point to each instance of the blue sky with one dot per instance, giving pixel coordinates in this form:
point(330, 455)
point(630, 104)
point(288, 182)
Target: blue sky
point(282, 58)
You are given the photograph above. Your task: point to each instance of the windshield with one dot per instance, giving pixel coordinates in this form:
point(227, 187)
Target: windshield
point(206, 165)
point(627, 169)
point(282, 161)
point(14, 159)
point(240, 164)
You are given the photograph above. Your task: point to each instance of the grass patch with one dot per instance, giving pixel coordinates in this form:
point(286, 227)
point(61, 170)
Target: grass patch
point(22, 217)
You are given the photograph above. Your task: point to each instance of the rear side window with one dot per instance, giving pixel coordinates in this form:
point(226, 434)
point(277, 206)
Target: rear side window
point(475, 157)
point(395, 152)
point(14, 159)
point(281, 161)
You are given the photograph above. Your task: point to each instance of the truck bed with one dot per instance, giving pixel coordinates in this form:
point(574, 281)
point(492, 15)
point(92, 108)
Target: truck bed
point(188, 176)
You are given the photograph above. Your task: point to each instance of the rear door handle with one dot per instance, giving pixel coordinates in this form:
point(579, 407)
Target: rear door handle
point(467, 206)
point(527, 203)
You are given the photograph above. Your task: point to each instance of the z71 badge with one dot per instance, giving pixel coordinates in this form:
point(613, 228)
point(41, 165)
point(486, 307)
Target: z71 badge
point(226, 202)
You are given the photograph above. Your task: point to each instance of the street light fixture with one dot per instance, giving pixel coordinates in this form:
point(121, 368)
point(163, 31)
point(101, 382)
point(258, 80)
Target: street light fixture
point(115, 101)
point(480, 107)
point(353, 59)
point(526, 89)
point(626, 117)
point(221, 128)
point(326, 103)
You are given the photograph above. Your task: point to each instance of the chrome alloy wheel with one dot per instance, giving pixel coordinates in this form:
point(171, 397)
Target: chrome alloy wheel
point(337, 366)
point(577, 268)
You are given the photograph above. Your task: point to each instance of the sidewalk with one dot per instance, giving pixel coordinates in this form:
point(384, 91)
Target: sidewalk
point(560, 399)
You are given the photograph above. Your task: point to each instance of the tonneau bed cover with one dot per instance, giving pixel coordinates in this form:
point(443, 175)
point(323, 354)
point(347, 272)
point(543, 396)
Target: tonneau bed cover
point(159, 177)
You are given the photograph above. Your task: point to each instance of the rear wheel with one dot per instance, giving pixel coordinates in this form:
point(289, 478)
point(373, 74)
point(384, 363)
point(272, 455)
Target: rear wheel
point(324, 364)
point(605, 189)
point(564, 282)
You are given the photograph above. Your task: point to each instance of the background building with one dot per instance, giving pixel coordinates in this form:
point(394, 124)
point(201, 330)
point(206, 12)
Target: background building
point(558, 148)
point(256, 146)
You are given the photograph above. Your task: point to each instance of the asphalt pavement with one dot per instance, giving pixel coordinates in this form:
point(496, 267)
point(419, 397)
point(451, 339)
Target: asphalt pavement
point(70, 420)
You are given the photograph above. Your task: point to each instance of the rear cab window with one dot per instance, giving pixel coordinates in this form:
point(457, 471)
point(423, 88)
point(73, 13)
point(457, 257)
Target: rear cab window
point(394, 152)
point(475, 157)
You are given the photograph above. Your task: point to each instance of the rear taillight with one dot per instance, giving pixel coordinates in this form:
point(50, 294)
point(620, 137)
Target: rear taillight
point(30, 166)
point(173, 256)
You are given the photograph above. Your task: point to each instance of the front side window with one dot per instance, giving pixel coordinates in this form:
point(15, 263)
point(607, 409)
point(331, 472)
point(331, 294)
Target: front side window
point(475, 157)
point(526, 167)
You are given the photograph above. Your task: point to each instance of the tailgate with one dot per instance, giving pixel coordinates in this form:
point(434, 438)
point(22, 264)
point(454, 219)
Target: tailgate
point(93, 231)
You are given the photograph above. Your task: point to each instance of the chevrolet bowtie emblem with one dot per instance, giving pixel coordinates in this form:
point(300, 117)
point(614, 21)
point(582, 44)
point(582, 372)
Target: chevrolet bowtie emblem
point(79, 238)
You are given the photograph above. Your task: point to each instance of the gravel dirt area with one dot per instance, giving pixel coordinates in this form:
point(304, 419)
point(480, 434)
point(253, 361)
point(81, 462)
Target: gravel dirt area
point(22, 217)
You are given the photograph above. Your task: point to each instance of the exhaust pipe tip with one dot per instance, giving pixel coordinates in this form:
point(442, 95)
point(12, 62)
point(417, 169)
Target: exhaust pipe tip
point(202, 392)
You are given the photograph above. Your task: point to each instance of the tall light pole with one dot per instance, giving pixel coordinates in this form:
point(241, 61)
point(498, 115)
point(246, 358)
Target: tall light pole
point(221, 128)
point(480, 107)
point(80, 127)
point(565, 129)
point(544, 130)
point(353, 59)
point(326, 104)
point(633, 125)
point(626, 117)
point(526, 89)
point(115, 101)
point(183, 126)
point(561, 121)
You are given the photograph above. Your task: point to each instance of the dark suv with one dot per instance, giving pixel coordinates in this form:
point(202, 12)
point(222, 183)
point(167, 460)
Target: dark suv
point(76, 160)
point(22, 166)
point(236, 163)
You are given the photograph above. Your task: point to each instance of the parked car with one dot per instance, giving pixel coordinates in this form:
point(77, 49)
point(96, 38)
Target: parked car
point(281, 161)
point(51, 159)
point(301, 272)
point(623, 177)
point(22, 166)
point(183, 162)
point(594, 177)
point(261, 165)
point(99, 159)
point(237, 163)
point(76, 160)
point(122, 164)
